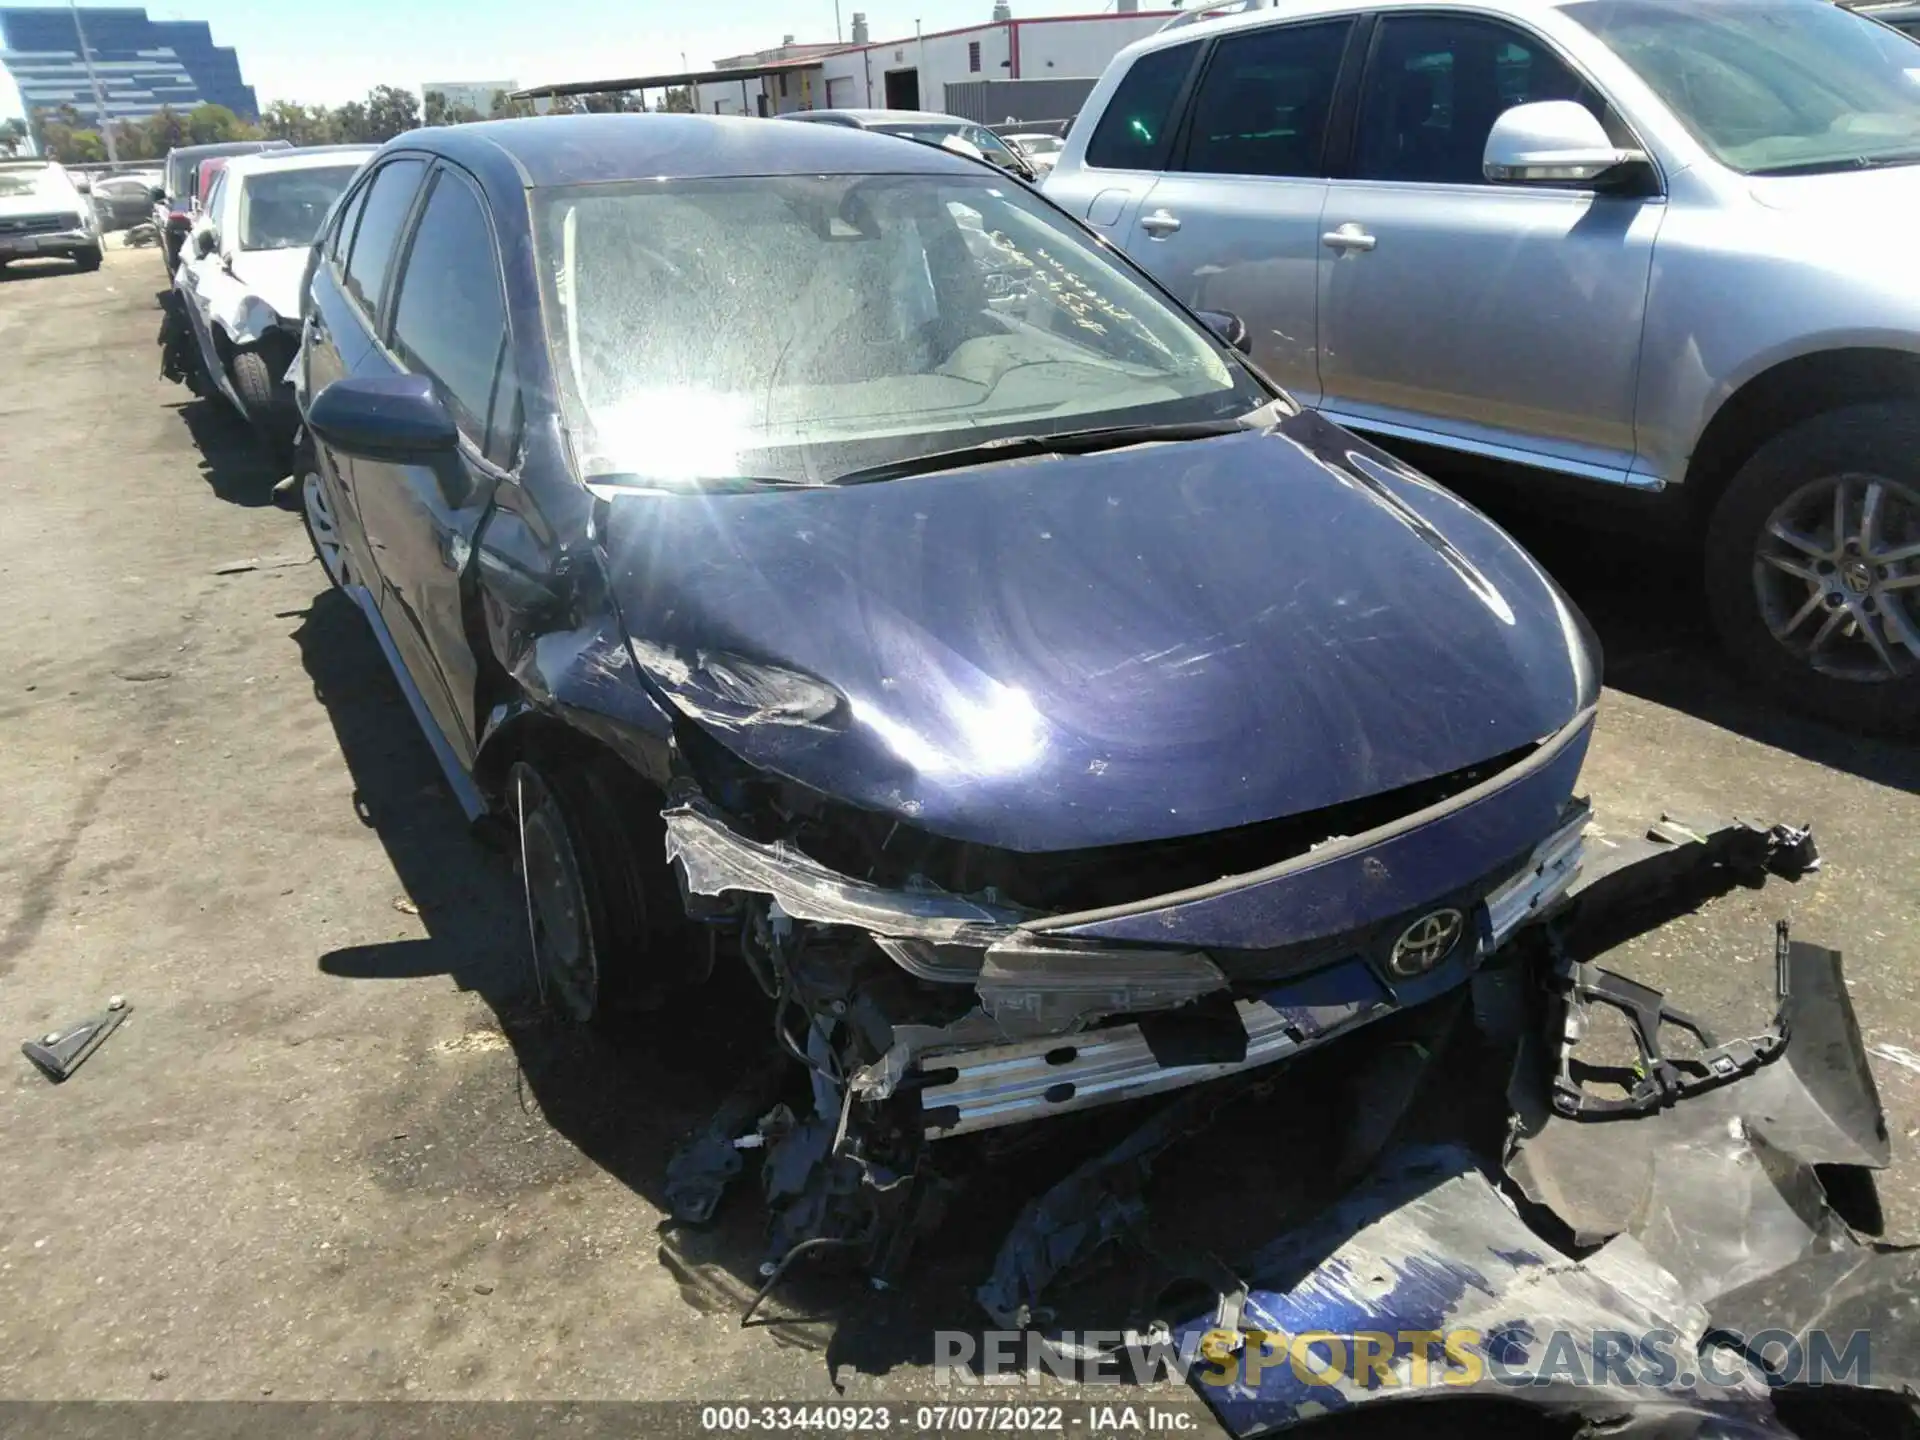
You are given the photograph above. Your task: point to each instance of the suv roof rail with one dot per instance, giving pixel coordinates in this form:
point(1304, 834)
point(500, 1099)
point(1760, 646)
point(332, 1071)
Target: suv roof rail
point(1214, 10)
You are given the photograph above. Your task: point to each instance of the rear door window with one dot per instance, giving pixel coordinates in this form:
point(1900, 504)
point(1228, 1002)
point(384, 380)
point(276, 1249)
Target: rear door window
point(1263, 104)
point(382, 216)
point(1134, 131)
point(340, 239)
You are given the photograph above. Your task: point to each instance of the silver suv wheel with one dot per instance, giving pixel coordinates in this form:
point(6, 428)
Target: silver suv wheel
point(1837, 575)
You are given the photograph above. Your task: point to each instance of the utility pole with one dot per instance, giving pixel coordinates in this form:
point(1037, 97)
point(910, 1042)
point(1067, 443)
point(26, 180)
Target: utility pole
point(99, 99)
point(837, 39)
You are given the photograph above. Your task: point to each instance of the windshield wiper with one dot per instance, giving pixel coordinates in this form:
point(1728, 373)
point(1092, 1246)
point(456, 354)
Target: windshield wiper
point(1063, 442)
point(699, 484)
point(1844, 164)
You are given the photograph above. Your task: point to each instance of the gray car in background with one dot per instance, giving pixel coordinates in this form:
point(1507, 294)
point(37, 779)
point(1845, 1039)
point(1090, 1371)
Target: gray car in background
point(929, 128)
point(1652, 245)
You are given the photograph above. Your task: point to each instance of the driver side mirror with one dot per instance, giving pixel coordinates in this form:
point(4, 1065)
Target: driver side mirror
point(83, 183)
point(1229, 327)
point(204, 241)
point(388, 417)
point(157, 194)
point(1552, 142)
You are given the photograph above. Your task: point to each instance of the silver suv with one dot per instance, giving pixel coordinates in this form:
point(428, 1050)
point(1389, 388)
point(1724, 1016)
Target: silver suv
point(1651, 244)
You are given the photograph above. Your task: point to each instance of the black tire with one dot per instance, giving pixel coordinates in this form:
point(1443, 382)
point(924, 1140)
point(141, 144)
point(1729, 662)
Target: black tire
point(1864, 443)
point(88, 260)
point(608, 932)
point(263, 402)
point(253, 382)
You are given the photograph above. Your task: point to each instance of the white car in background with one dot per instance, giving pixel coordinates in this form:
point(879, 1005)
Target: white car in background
point(238, 283)
point(1040, 148)
point(42, 212)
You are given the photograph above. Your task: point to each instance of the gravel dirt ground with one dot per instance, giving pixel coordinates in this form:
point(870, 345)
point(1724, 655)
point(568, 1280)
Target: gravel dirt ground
point(335, 1152)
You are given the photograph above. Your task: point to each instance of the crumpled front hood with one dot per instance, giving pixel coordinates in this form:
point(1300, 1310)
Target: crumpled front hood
point(1132, 645)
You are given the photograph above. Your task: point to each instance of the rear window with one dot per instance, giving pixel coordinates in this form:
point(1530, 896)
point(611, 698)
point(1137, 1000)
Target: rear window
point(1133, 133)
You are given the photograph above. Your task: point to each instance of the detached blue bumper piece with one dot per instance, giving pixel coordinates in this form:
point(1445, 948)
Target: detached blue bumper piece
point(1426, 1285)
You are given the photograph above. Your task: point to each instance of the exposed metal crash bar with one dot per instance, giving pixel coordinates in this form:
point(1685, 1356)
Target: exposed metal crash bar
point(1005, 1084)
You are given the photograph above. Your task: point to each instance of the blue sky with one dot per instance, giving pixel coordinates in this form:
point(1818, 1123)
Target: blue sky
point(327, 51)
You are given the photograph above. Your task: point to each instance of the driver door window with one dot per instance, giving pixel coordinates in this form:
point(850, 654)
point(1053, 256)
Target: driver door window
point(1434, 88)
point(450, 321)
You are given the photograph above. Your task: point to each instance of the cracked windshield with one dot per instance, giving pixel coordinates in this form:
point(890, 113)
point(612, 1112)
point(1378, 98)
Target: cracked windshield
point(795, 327)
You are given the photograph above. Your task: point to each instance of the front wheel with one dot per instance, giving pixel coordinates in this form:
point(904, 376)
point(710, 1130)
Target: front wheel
point(323, 526)
point(603, 913)
point(88, 260)
point(1813, 566)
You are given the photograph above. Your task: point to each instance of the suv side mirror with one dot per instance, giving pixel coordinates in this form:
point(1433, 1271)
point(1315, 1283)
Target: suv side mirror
point(1552, 142)
point(204, 241)
point(157, 194)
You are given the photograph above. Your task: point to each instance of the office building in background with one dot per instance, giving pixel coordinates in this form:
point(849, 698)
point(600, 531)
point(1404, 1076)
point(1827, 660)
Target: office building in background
point(141, 64)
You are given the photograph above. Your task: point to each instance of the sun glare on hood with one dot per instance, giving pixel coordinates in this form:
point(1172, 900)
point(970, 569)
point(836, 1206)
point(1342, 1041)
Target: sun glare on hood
point(1001, 733)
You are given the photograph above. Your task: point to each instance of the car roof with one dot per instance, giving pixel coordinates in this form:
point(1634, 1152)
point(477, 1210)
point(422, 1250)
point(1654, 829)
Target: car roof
point(225, 147)
point(1202, 25)
point(315, 157)
point(881, 117)
point(550, 150)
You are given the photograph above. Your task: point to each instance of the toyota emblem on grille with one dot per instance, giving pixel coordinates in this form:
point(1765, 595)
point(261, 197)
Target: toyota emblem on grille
point(1426, 942)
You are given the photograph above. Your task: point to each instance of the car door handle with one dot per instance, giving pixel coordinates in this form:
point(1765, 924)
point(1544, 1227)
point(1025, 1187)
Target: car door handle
point(1348, 237)
point(1160, 224)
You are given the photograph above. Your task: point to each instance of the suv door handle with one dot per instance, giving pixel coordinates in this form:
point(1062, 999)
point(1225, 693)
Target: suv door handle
point(1160, 223)
point(1348, 237)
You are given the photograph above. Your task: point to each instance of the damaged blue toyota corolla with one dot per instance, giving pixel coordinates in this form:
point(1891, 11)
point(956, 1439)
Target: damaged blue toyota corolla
point(825, 552)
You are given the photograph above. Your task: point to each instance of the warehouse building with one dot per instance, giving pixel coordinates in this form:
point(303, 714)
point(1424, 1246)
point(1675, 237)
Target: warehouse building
point(938, 71)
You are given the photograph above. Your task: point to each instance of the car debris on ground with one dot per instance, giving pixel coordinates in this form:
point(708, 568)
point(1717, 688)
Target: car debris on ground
point(61, 1052)
point(1706, 1204)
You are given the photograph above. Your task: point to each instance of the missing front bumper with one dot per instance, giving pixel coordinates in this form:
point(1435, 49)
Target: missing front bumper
point(993, 1085)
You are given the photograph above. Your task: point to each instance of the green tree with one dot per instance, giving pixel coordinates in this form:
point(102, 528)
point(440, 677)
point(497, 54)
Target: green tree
point(63, 136)
point(617, 102)
point(131, 141)
point(434, 109)
point(350, 124)
point(505, 107)
point(391, 111)
point(71, 147)
point(679, 100)
point(165, 130)
point(13, 135)
point(210, 124)
point(297, 124)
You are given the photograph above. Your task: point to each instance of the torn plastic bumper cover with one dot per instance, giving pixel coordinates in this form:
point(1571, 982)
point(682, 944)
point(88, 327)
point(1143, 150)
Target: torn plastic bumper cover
point(1033, 1044)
